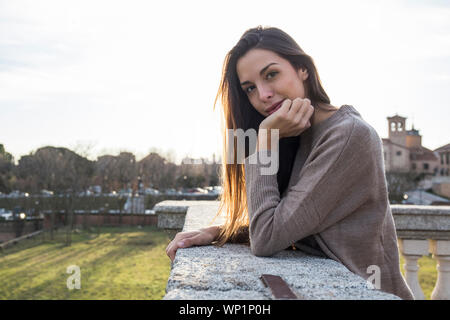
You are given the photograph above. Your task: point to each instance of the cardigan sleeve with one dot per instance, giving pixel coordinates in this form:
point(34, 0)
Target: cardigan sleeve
point(335, 180)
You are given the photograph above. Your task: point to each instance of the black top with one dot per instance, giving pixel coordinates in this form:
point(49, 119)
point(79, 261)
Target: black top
point(309, 245)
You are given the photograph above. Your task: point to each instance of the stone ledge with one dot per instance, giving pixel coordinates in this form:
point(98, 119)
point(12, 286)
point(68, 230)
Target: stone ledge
point(232, 272)
point(171, 213)
point(422, 222)
point(399, 209)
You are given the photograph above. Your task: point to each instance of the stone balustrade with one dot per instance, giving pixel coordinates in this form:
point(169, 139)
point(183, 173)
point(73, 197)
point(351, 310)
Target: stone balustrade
point(422, 230)
point(232, 272)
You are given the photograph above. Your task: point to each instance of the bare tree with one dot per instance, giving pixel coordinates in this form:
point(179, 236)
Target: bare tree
point(152, 170)
point(126, 169)
point(105, 172)
point(398, 183)
point(6, 170)
point(60, 170)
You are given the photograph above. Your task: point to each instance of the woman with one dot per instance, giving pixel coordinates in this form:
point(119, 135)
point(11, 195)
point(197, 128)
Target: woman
point(329, 196)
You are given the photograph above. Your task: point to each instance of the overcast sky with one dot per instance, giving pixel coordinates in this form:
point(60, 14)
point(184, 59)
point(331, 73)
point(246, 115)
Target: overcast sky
point(136, 75)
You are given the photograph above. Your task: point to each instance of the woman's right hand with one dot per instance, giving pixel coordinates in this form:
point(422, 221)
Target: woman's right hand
point(200, 237)
point(291, 119)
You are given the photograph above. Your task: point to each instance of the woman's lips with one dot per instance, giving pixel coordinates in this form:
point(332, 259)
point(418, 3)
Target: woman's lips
point(278, 106)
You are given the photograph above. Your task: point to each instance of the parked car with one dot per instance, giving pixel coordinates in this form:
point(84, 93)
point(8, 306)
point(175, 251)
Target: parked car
point(47, 193)
point(173, 191)
point(18, 194)
point(113, 194)
point(126, 192)
point(196, 191)
point(214, 189)
point(151, 191)
point(96, 189)
point(7, 215)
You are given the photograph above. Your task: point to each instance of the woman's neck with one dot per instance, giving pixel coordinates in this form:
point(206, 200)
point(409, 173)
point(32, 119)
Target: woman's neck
point(320, 114)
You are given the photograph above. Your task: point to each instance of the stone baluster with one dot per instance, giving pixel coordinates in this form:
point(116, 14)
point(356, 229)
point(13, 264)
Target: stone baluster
point(412, 251)
point(441, 252)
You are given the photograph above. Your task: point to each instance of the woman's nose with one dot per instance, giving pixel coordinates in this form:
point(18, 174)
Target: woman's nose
point(265, 93)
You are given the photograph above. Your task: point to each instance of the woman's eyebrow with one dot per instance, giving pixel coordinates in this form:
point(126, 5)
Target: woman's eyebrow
point(260, 73)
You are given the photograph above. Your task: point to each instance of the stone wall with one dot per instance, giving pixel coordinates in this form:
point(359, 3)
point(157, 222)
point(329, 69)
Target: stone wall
point(13, 229)
point(233, 272)
point(103, 219)
point(421, 222)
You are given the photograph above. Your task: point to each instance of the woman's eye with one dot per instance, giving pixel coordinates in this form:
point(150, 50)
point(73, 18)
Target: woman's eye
point(249, 89)
point(271, 74)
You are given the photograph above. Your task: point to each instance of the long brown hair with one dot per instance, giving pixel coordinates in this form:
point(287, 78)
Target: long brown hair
point(238, 113)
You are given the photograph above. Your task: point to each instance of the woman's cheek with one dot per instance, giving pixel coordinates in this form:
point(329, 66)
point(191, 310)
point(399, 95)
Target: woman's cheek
point(295, 89)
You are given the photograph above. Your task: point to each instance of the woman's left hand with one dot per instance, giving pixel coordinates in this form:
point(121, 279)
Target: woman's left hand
point(291, 119)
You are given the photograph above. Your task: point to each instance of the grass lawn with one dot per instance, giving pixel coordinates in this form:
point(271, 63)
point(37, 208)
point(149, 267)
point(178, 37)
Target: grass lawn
point(115, 263)
point(427, 274)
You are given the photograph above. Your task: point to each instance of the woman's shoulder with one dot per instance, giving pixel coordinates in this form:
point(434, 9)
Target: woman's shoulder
point(346, 129)
point(349, 122)
point(361, 128)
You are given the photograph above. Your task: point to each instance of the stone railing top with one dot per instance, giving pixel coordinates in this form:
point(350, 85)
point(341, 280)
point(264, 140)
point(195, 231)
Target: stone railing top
point(171, 214)
point(399, 209)
point(422, 222)
point(180, 206)
point(233, 272)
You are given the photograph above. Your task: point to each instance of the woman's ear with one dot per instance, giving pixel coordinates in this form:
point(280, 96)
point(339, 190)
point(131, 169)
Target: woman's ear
point(303, 73)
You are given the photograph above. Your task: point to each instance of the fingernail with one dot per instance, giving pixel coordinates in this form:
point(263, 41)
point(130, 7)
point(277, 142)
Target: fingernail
point(181, 244)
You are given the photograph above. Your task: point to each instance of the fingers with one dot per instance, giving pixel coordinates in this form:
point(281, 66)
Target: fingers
point(295, 107)
point(300, 113)
point(170, 251)
point(293, 117)
point(173, 247)
point(301, 110)
point(184, 240)
point(178, 237)
point(286, 105)
point(309, 112)
point(174, 244)
point(192, 241)
point(299, 105)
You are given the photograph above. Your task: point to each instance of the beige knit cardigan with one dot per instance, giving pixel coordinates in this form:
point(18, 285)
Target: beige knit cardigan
point(337, 193)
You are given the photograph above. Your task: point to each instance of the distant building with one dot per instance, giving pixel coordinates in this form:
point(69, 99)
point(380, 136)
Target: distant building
point(444, 160)
point(441, 183)
point(403, 150)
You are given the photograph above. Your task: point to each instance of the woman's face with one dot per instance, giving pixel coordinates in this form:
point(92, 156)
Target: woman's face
point(268, 79)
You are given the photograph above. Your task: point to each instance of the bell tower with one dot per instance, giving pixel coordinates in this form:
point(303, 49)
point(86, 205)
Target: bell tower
point(413, 138)
point(397, 129)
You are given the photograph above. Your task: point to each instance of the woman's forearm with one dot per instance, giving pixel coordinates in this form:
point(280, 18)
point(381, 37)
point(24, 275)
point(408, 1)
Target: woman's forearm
point(241, 236)
point(213, 230)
